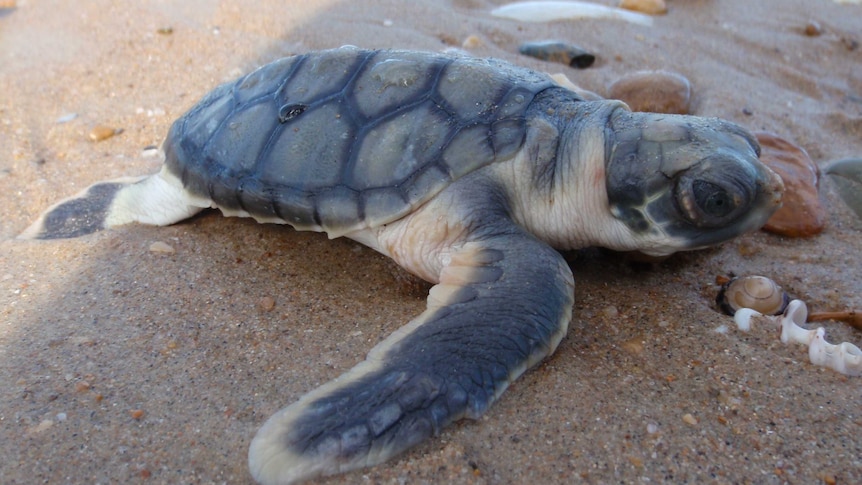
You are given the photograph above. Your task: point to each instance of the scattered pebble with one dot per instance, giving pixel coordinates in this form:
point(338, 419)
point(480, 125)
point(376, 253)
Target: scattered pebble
point(653, 91)
point(471, 42)
point(802, 214)
point(101, 132)
point(610, 311)
point(136, 413)
point(82, 386)
point(633, 346)
point(813, 29)
point(266, 303)
point(166, 30)
point(61, 417)
point(556, 51)
point(42, 426)
point(689, 419)
point(161, 248)
point(651, 7)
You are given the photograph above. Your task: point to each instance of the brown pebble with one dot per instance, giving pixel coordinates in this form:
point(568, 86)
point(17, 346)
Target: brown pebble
point(689, 419)
point(801, 214)
point(82, 386)
point(813, 29)
point(651, 7)
point(145, 473)
point(633, 346)
point(101, 132)
point(828, 478)
point(653, 92)
point(136, 413)
point(166, 30)
point(266, 303)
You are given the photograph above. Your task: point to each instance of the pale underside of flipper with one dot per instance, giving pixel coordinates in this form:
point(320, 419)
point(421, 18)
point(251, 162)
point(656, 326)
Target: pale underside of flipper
point(502, 305)
point(158, 199)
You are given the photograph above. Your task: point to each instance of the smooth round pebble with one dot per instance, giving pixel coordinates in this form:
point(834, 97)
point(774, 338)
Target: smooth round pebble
point(801, 213)
point(101, 132)
point(813, 29)
point(651, 7)
point(653, 92)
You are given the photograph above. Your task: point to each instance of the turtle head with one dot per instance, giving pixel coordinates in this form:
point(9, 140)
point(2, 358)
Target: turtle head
point(683, 182)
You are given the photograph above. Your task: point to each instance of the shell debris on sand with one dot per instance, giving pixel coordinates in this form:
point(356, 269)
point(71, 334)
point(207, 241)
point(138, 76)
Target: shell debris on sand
point(653, 92)
point(549, 11)
point(161, 247)
point(557, 51)
point(801, 213)
point(755, 292)
point(845, 358)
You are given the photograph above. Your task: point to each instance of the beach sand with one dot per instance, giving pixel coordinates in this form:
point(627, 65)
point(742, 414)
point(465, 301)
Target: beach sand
point(119, 364)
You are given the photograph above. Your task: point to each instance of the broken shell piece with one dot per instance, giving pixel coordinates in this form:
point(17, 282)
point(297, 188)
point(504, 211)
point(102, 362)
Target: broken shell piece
point(556, 51)
point(845, 357)
point(756, 292)
point(791, 329)
point(550, 10)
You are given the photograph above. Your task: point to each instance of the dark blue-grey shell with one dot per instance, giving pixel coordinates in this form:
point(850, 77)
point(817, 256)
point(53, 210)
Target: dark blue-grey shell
point(346, 139)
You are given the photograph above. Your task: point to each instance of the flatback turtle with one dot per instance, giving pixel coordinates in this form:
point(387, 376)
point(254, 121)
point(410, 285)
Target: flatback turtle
point(468, 173)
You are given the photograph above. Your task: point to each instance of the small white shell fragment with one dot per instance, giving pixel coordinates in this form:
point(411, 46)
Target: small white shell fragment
point(162, 248)
point(742, 317)
point(791, 331)
point(845, 357)
point(547, 11)
point(66, 118)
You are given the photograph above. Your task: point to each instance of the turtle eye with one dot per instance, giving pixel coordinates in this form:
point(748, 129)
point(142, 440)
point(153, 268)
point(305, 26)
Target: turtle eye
point(712, 199)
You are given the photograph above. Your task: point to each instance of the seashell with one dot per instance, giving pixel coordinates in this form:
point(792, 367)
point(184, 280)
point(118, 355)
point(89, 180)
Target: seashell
point(755, 292)
point(845, 357)
point(548, 11)
point(556, 51)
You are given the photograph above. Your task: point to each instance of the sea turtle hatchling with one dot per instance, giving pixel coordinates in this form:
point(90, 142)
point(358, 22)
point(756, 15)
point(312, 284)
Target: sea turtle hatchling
point(468, 173)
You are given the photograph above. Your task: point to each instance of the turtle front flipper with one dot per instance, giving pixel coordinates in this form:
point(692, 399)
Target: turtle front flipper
point(502, 305)
point(158, 199)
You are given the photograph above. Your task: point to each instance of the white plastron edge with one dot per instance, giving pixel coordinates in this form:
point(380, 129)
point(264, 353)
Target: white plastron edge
point(845, 358)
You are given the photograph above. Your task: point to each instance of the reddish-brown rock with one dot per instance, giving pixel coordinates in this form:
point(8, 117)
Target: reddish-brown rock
point(801, 213)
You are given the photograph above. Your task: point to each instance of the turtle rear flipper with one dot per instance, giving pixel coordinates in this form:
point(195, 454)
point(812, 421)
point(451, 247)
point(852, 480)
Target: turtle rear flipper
point(158, 199)
point(502, 305)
